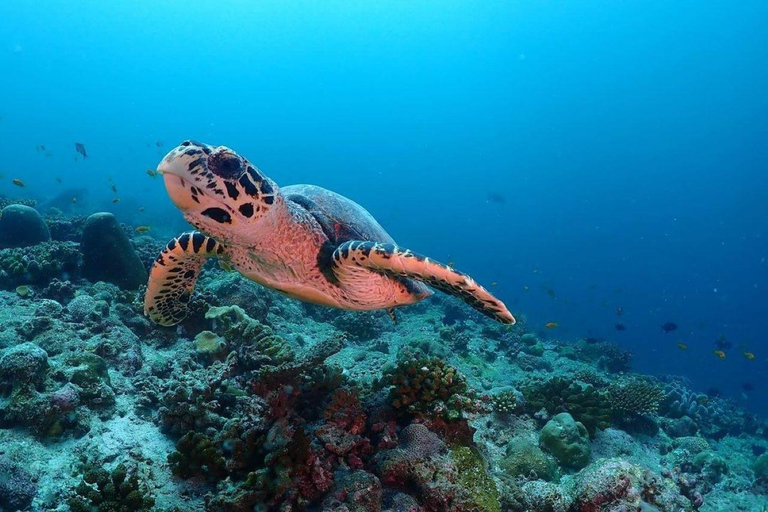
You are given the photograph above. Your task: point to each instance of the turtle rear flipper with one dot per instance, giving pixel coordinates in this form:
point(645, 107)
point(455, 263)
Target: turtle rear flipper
point(392, 260)
point(174, 275)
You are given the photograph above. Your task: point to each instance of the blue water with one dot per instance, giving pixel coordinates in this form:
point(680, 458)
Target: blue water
point(583, 155)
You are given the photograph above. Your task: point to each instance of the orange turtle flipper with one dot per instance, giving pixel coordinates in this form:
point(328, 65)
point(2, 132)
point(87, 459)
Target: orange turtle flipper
point(392, 260)
point(174, 275)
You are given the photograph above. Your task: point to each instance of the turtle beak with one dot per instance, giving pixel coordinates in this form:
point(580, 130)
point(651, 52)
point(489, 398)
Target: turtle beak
point(181, 169)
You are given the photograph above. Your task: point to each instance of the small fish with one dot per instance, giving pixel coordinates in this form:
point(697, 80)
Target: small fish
point(749, 355)
point(551, 293)
point(682, 346)
point(159, 143)
point(551, 325)
point(619, 311)
point(722, 343)
point(141, 208)
point(526, 287)
point(74, 200)
point(719, 353)
point(704, 400)
point(40, 148)
point(620, 327)
point(226, 266)
point(80, 148)
point(748, 386)
point(116, 200)
point(494, 283)
point(450, 264)
point(114, 188)
point(152, 173)
point(18, 182)
point(669, 327)
point(58, 180)
point(143, 229)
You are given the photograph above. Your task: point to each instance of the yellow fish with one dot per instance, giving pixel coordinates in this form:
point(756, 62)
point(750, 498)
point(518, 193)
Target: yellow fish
point(749, 355)
point(719, 353)
point(682, 346)
point(142, 229)
point(551, 325)
point(225, 266)
point(18, 182)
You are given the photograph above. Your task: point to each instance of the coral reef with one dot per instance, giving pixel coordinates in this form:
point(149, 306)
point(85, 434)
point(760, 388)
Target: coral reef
point(39, 264)
point(120, 490)
point(258, 402)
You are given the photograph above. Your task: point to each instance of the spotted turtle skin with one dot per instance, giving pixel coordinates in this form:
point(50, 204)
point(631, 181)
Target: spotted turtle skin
point(302, 240)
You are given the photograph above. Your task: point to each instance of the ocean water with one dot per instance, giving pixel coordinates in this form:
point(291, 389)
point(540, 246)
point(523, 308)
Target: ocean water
point(591, 163)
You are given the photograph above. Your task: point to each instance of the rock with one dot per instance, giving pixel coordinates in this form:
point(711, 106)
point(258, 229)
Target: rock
point(567, 440)
point(524, 459)
point(108, 254)
point(17, 490)
point(23, 364)
point(22, 226)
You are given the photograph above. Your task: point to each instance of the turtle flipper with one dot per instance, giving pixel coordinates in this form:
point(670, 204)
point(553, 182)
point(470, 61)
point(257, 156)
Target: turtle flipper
point(174, 275)
point(395, 261)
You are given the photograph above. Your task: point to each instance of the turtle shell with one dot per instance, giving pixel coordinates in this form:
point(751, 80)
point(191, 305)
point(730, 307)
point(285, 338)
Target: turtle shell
point(341, 219)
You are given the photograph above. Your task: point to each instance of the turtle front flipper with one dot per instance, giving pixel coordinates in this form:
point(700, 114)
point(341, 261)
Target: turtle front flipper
point(174, 275)
point(392, 260)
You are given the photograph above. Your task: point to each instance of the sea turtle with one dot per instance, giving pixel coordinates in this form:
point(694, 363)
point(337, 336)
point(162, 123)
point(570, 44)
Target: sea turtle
point(305, 241)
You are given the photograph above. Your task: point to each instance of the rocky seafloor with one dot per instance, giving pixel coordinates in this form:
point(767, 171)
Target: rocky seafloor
point(257, 402)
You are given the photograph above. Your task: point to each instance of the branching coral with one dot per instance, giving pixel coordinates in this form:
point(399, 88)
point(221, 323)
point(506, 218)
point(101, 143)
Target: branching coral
point(504, 402)
point(634, 396)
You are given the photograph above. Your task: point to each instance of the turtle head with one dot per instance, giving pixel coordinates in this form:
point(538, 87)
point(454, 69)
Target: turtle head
point(219, 191)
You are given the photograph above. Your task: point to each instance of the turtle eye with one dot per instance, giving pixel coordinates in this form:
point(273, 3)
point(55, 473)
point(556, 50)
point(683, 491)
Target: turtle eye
point(225, 165)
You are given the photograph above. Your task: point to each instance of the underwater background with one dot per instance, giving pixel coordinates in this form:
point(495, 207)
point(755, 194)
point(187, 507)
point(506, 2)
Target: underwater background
point(599, 166)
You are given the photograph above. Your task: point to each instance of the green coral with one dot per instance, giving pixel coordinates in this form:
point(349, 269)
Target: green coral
point(567, 440)
point(119, 491)
point(210, 344)
point(473, 476)
point(634, 396)
point(525, 459)
point(197, 454)
point(584, 402)
point(257, 342)
point(504, 402)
